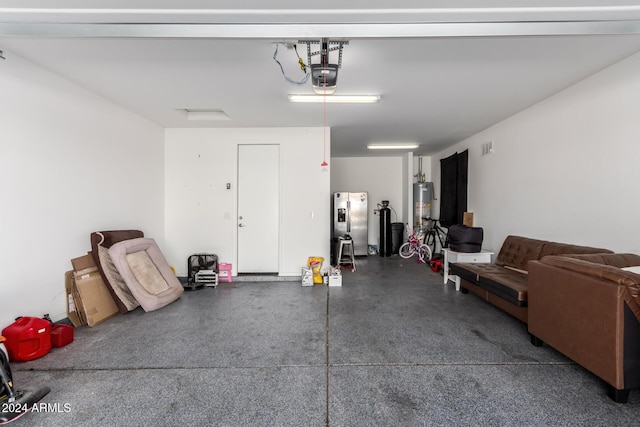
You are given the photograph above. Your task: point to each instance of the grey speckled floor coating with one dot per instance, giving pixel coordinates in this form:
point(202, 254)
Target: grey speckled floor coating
point(393, 347)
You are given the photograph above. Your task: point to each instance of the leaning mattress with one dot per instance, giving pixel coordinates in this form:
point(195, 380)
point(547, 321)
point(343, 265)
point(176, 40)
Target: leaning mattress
point(101, 241)
point(146, 272)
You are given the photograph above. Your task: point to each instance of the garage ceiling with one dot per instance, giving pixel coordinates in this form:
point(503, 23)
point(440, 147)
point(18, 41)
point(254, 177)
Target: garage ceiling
point(444, 71)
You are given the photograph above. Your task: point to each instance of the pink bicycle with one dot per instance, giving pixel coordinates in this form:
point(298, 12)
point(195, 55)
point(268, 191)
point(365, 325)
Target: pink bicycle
point(415, 246)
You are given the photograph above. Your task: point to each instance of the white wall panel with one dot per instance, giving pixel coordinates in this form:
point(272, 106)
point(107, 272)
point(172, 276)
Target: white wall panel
point(70, 163)
point(201, 214)
point(565, 169)
point(381, 177)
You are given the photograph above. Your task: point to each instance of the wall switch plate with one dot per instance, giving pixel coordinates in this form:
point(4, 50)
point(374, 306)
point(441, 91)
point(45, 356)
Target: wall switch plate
point(487, 148)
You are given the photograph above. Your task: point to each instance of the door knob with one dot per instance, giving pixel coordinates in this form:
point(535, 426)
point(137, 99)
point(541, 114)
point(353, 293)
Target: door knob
point(240, 225)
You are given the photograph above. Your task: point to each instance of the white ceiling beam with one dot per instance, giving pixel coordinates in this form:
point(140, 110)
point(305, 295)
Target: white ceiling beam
point(319, 15)
point(270, 23)
point(297, 31)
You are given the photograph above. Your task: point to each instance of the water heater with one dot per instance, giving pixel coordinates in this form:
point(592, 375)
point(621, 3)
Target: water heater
point(422, 198)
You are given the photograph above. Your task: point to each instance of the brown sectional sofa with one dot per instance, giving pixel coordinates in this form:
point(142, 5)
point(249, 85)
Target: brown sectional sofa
point(505, 282)
point(587, 307)
point(577, 299)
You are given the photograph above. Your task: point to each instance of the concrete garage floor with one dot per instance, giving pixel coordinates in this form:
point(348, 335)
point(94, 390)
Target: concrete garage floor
point(393, 347)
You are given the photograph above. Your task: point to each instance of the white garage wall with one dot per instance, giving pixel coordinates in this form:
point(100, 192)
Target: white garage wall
point(70, 163)
point(201, 214)
point(381, 177)
point(565, 169)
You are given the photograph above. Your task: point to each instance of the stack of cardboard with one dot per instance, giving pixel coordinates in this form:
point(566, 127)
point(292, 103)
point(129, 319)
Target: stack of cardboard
point(75, 311)
point(88, 299)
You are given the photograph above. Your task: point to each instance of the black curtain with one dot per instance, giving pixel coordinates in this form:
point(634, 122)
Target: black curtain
point(453, 188)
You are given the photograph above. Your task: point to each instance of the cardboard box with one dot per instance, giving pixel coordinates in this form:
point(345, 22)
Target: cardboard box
point(83, 262)
point(95, 300)
point(467, 219)
point(75, 312)
point(335, 280)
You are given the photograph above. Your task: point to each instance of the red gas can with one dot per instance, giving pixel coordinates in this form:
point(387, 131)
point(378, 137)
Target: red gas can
point(61, 335)
point(27, 338)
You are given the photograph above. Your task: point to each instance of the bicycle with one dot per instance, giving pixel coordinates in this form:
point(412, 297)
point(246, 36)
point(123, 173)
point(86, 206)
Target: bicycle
point(415, 246)
point(434, 233)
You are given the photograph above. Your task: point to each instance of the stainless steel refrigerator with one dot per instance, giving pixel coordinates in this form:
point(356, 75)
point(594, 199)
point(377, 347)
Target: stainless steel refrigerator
point(350, 217)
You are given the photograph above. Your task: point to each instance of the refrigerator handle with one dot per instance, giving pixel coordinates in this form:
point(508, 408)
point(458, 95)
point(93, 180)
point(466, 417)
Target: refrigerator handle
point(348, 216)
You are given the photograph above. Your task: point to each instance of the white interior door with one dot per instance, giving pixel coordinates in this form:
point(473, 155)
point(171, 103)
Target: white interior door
point(258, 208)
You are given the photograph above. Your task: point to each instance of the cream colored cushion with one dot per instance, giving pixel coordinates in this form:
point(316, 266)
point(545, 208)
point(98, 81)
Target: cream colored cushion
point(151, 296)
point(116, 281)
point(146, 272)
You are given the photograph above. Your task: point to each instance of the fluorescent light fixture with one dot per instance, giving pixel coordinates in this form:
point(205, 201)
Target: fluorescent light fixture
point(207, 115)
point(399, 146)
point(336, 99)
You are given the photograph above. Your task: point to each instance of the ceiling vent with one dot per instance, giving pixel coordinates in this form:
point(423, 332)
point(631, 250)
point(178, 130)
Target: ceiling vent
point(206, 115)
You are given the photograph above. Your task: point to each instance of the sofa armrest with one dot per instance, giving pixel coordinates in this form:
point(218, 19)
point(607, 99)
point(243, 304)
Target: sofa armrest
point(581, 316)
point(601, 269)
point(606, 267)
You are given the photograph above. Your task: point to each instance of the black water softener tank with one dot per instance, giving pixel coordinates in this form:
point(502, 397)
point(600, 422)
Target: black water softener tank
point(385, 229)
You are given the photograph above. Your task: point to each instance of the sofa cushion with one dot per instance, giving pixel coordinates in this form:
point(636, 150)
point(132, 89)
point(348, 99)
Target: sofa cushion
point(508, 284)
point(472, 272)
point(554, 248)
point(517, 251)
point(464, 271)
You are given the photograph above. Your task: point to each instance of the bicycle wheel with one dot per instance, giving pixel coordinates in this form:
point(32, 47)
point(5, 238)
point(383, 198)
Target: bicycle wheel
point(430, 242)
point(444, 237)
point(425, 253)
point(407, 250)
